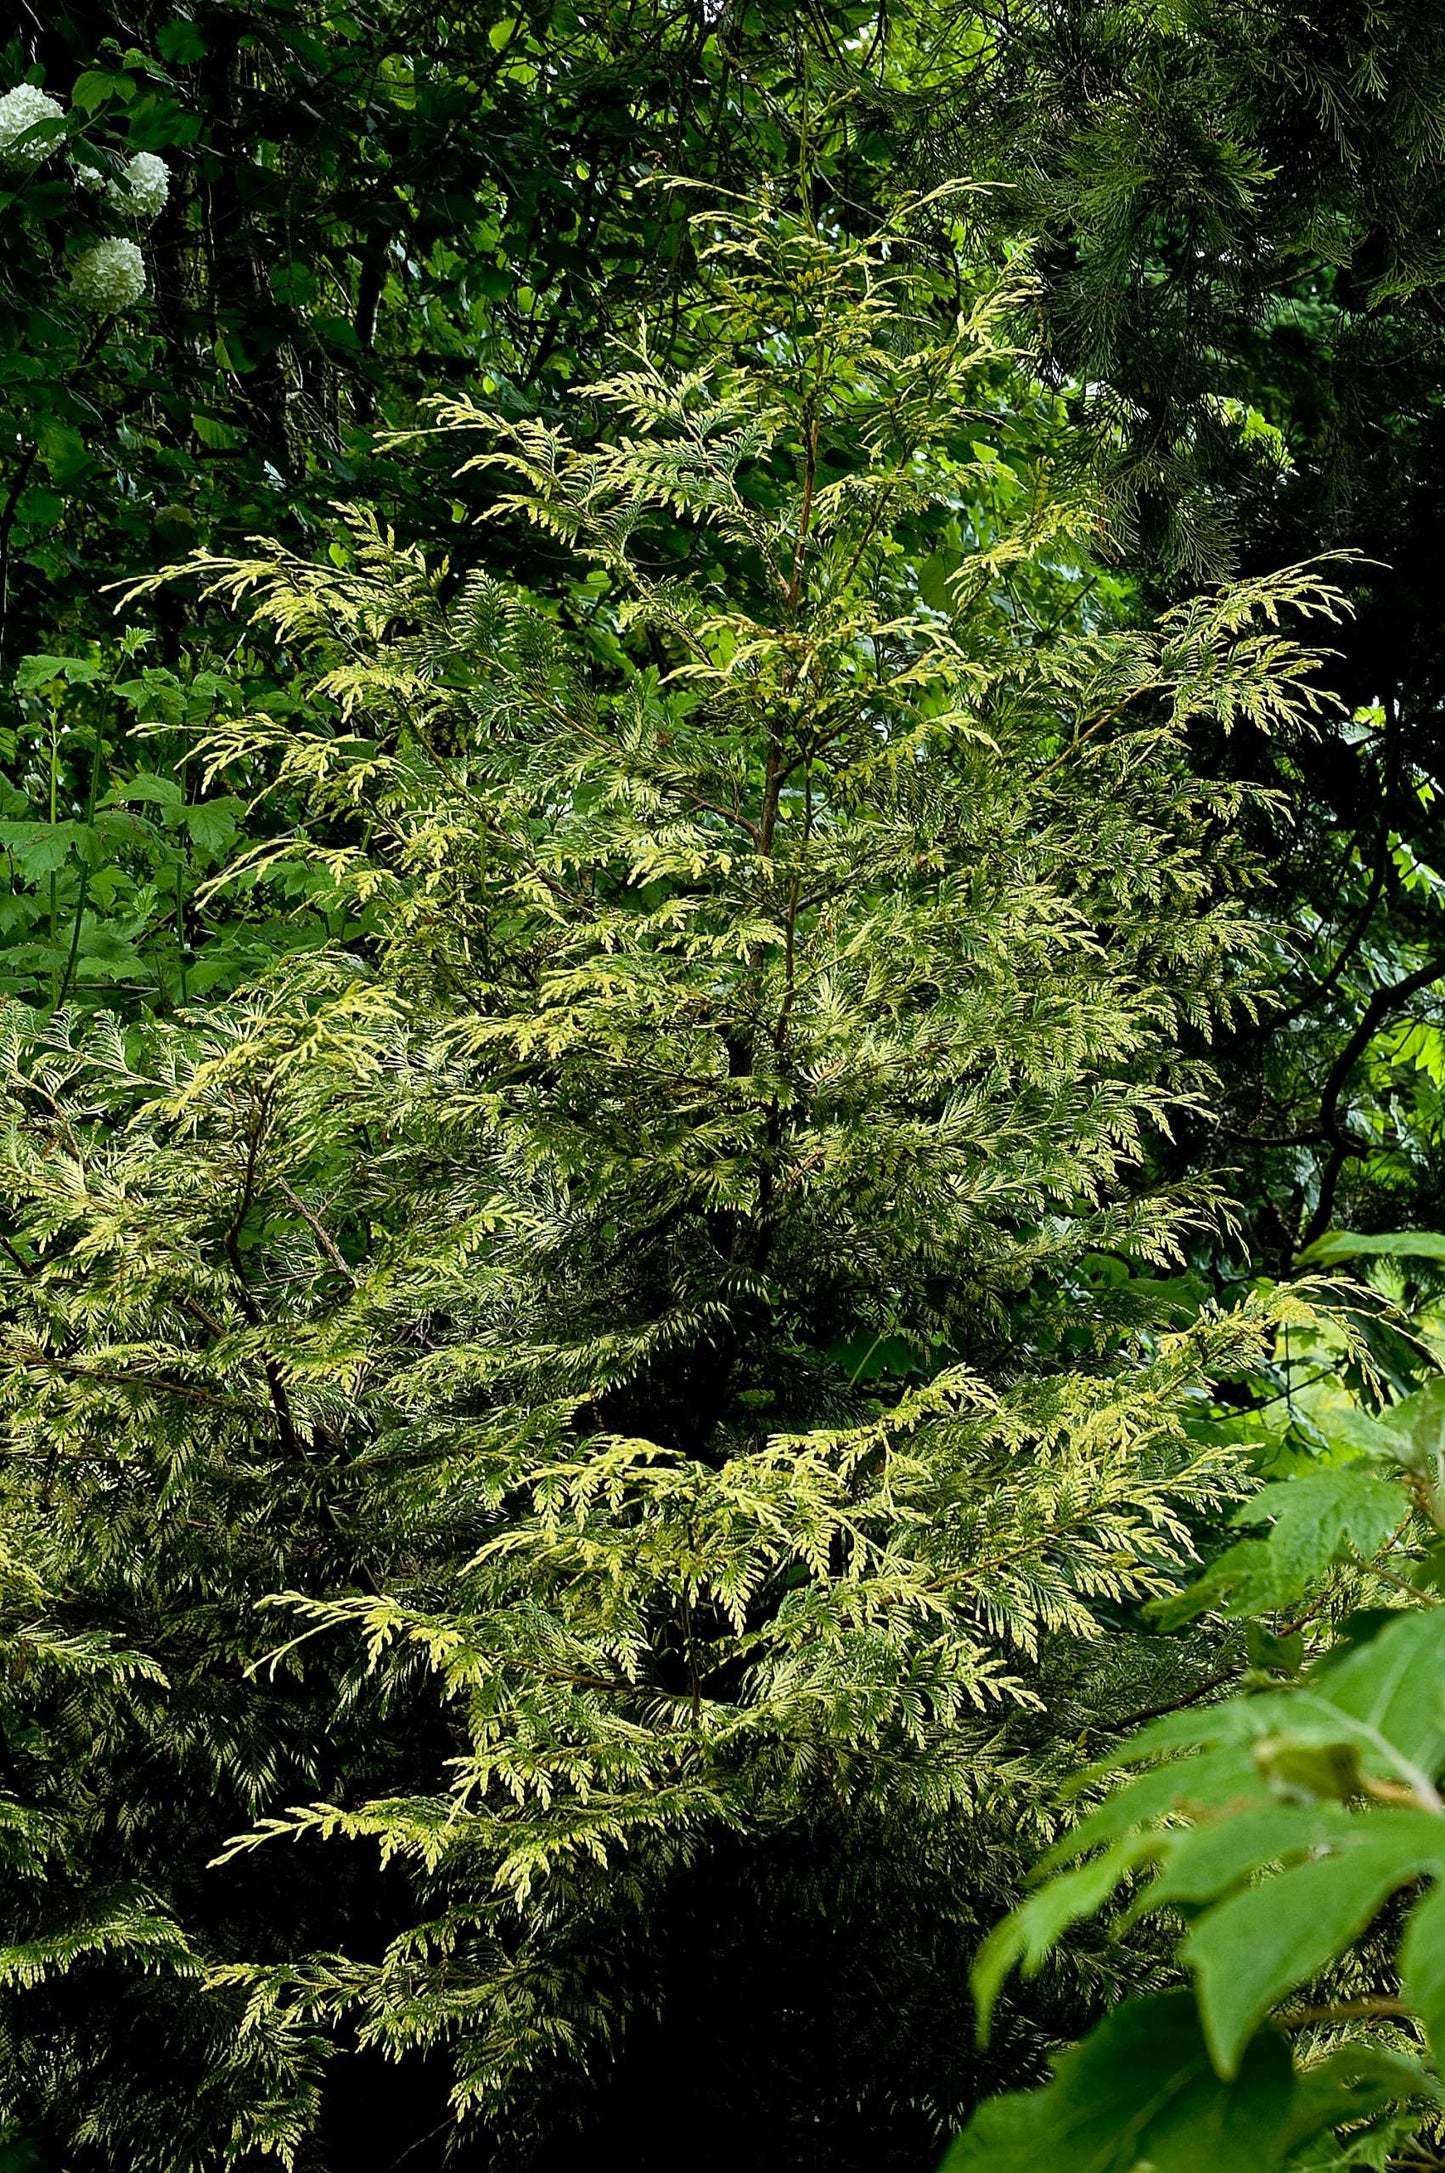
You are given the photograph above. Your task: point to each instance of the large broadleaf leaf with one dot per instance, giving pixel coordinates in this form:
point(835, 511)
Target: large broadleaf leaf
point(1387, 1696)
point(1414, 1428)
point(1141, 2092)
point(1422, 1966)
point(1337, 1245)
point(1264, 1833)
point(1316, 1521)
point(1142, 2089)
point(1266, 1941)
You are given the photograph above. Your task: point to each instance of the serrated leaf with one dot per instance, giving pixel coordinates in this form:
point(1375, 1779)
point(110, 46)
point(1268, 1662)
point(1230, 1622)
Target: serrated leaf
point(42, 671)
point(149, 787)
point(1422, 1966)
point(212, 824)
point(1210, 1860)
point(1352, 2085)
point(1317, 1520)
point(1140, 2090)
point(1383, 1695)
point(1029, 1934)
point(1250, 1951)
point(1389, 1692)
point(1313, 1516)
point(180, 43)
point(91, 90)
point(39, 848)
point(1215, 1777)
point(1244, 1580)
point(1414, 1428)
point(935, 579)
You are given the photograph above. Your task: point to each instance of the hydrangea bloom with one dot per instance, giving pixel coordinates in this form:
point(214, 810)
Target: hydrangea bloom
point(109, 277)
point(149, 184)
point(21, 109)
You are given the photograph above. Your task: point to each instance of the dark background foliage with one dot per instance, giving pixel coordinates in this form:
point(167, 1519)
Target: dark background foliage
point(1244, 205)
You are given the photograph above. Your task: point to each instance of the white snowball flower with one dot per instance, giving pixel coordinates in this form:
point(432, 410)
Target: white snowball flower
point(149, 184)
point(142, 191)
point(96, 178)
point(109, 277)
point(21, 109)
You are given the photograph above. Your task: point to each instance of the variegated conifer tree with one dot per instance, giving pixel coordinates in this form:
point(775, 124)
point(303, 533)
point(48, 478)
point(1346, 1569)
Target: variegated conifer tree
point(593, 1410)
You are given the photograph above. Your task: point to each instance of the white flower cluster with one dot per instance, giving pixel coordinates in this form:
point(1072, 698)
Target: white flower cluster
point(20, 110)
point(109, 277)
point(112, 274)
point(148, 184)
point(142, 189)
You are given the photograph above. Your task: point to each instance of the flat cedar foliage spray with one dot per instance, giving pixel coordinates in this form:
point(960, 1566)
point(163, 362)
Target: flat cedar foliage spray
point(552, 1435)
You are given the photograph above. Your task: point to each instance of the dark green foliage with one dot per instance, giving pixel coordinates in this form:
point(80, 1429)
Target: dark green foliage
point(115, 850)
point(362, 208)
point(1238, 211)
point(1296, 1815)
